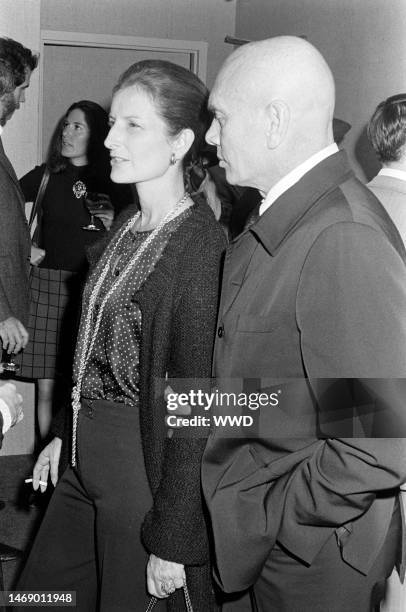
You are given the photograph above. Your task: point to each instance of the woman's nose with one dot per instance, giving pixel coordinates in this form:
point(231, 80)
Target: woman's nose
point(111, 138)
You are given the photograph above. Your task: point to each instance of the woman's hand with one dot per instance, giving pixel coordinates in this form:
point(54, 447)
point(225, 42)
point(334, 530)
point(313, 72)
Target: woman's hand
point(48, 460)
point(164, 577)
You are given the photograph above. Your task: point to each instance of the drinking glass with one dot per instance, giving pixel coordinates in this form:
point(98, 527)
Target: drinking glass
point(7, 362)
point(93, 206)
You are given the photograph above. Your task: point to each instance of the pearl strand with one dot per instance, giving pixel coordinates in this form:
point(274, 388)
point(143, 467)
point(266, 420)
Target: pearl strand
point(87, 346)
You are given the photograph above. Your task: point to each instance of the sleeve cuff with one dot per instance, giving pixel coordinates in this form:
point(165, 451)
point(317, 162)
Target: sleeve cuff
point(6, 414)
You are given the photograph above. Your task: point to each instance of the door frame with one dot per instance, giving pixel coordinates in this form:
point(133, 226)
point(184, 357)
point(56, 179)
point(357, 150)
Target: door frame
point(197, 51)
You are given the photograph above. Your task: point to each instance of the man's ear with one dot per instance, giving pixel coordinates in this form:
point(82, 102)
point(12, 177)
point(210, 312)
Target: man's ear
point(182, 142)
point(277, 121)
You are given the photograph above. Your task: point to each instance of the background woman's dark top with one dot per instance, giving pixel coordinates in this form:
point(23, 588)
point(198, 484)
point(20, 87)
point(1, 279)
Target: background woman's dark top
point(56, 284)
point(64, 215)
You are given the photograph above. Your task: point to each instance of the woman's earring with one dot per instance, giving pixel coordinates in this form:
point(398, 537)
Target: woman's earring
point(173, 159)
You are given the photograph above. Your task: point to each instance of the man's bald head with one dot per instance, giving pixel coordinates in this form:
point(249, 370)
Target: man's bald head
point(282, 66)
point(284, 87)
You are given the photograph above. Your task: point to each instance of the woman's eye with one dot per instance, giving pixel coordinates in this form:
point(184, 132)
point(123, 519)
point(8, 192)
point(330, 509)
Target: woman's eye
point(133, 124)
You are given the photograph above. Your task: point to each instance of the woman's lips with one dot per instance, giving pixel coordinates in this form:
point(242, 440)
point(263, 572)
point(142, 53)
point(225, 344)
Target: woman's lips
point(116, 159)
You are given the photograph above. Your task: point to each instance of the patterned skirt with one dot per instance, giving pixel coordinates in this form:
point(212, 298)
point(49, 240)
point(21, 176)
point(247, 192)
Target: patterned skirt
point(53, 323)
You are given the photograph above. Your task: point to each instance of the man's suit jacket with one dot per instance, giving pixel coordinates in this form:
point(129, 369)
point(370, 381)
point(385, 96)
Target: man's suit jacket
point(314, 293)
point(14, 245)
point(391, 192)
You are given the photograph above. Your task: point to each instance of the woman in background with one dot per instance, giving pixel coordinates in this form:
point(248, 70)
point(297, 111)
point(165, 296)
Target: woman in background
point(133, 498)
point(77, 164)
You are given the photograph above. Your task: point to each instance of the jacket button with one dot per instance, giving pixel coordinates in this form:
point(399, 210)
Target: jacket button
point(220, 331)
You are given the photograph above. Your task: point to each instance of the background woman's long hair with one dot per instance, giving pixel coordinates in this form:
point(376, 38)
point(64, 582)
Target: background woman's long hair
point(97, 155)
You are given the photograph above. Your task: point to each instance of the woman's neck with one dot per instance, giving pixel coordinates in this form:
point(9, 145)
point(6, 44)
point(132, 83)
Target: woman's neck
point(156, 201)
point(78, 162)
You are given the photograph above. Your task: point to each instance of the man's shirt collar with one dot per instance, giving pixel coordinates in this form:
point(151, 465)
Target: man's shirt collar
point(295, 175)
point(272, 227)
point(392, 172)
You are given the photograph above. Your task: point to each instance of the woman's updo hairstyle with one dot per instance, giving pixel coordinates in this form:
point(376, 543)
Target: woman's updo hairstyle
point(180, 98)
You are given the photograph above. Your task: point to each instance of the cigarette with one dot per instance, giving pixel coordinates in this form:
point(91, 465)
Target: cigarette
point(42, 482)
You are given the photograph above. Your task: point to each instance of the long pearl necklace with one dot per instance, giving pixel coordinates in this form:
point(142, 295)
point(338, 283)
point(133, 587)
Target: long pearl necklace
point(89, 334)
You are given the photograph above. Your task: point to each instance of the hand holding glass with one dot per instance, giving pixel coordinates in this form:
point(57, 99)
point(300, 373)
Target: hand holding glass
point(96, 203)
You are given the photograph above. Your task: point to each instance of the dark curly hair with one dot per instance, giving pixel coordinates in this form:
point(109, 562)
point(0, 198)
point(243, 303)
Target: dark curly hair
point(15, 61)
point(387, 128)
point(97, 155)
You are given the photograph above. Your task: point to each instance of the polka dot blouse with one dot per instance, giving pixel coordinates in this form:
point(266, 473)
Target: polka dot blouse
point(112, 371)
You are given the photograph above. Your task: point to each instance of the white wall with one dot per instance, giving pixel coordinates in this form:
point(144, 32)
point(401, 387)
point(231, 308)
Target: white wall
point(20, 19)
point(363, 41)
point(207, 20)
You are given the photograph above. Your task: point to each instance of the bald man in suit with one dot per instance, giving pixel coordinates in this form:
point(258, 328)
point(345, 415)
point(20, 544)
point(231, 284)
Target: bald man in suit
point(305, 505)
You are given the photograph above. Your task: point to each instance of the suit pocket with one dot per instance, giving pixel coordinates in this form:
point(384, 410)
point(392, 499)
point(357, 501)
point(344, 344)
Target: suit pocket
point(256, 323)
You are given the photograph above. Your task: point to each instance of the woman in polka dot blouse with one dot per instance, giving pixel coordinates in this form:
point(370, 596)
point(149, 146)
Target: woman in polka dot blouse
point(132, 499)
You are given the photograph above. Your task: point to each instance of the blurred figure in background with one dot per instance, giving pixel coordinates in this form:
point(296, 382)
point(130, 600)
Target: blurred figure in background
point(76, 170)
point(387, 134)
point(16, 64)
